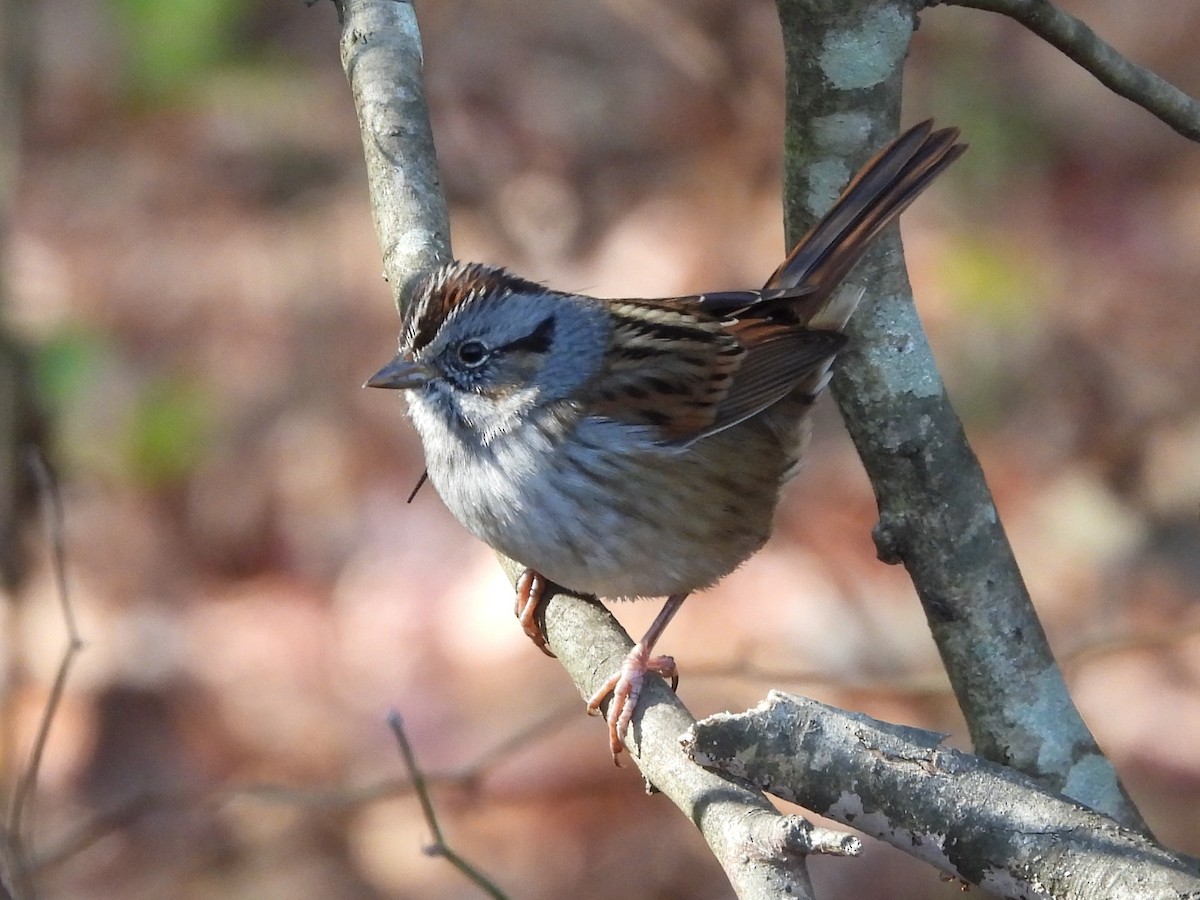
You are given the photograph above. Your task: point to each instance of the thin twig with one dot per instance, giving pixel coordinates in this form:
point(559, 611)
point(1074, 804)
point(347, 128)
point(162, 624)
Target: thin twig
point(1114, 71)
point(439, 847)
point(52, 516)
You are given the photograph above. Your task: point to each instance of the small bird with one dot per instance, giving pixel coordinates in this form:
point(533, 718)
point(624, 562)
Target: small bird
point(636, 448)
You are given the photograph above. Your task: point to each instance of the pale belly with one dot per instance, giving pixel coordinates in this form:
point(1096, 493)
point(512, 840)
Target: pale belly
point(645, 522)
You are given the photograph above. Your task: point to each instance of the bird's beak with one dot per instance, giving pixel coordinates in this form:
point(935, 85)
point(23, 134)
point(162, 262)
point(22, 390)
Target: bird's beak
point(400, 374)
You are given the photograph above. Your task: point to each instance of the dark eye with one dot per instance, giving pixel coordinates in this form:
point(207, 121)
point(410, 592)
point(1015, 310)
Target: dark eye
point(472, 353)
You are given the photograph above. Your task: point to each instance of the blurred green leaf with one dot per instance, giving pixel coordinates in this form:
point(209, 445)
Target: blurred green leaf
point(108, 419)
point(166, 432)
point(998, 290)
point(66, 364)
point(170, 42)
point(991, 281)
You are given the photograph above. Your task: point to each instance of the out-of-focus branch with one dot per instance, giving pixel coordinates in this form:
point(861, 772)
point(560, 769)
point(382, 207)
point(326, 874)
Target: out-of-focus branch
point(21, 426)
point(936, 512)
point(983, 823)
point(16, 865)
point(1084, 46)
point(760, 850)
point(439, 847)
point(20, 422)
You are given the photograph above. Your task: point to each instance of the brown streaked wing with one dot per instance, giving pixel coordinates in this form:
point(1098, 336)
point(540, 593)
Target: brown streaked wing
point(668, 367)
point(778, 358)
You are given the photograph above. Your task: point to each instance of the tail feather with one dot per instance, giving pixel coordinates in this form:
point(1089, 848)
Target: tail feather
point(883, 189)
point(835, 312)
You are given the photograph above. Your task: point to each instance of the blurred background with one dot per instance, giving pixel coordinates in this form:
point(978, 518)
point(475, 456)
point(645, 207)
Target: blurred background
point(189, 260)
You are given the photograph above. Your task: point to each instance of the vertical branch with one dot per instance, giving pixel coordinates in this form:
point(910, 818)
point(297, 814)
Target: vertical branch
point(22, 798)
point(382, 55)
point(19, 422)
point(936, 514)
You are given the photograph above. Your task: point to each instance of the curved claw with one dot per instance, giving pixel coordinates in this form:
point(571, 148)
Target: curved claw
point(625, 685)
point(530, 588)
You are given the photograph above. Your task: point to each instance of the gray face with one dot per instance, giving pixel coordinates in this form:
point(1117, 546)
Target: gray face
point(497, 358)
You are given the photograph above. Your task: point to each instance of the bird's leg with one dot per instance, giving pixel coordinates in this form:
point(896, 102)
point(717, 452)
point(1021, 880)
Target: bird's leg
point(626, 684)
point(530, 588)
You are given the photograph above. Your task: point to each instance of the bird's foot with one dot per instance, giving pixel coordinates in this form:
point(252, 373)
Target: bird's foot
point(626, 687)
point(530, 588)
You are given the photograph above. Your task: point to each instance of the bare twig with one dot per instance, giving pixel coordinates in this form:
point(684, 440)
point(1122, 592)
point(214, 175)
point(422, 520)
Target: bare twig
point(475, 771)
point(439, 847)
point(337, 4)
point(977, 821)
point(52, 514)
point(1075, 39)
point(96, 826)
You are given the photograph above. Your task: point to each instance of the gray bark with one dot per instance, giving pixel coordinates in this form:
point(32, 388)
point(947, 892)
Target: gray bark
point(975, 820)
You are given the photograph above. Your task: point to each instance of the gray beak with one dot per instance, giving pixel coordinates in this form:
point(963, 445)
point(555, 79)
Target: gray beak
point(400, 374)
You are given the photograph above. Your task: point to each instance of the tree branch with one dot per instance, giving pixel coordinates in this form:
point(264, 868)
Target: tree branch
point(977, 821)
point(759, 849)
point(1084, 46)
point(936, 513)
point(381, 53)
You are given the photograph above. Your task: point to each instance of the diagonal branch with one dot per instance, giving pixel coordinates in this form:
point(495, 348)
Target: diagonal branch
point(13, 852)
point(1084, 46)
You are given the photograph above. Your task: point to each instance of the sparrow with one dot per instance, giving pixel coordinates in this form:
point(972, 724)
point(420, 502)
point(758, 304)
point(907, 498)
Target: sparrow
point(637, 447)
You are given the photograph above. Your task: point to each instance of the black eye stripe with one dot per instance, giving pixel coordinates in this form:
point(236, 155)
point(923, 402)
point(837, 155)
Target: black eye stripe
point(473, 353)
point(537, 341)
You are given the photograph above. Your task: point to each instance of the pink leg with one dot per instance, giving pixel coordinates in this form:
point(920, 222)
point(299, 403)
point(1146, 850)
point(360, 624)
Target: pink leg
point(626, 684)
point(530, 588)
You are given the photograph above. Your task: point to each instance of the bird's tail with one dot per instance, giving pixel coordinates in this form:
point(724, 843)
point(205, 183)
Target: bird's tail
point(884, 188)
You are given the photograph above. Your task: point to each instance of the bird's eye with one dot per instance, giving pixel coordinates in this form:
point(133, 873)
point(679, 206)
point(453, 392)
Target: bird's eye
point(472, 353)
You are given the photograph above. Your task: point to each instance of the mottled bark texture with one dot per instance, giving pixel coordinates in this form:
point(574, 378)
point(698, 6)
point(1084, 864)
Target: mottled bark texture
point(381, 53)
point(975, 820)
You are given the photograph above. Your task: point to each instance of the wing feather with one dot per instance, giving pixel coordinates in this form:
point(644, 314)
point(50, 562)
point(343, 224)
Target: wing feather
point(778, 359)
point(687, 374)
point(668, 367)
